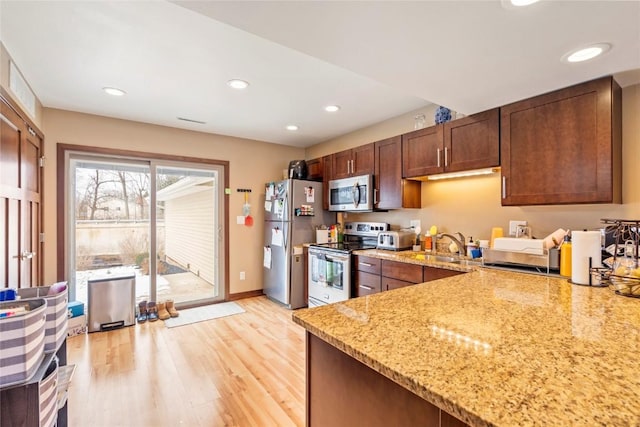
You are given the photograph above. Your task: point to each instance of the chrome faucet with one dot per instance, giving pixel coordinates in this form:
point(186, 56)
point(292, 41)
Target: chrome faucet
point(459, 243)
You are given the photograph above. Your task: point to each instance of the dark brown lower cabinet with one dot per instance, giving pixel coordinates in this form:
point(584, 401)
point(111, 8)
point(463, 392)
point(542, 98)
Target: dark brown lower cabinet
point(342, 391)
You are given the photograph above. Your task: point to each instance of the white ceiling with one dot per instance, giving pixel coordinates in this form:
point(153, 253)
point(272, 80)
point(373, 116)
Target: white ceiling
point(376, 60)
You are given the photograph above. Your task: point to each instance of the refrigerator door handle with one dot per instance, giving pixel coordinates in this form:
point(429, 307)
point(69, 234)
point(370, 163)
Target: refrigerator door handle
point(284, 238)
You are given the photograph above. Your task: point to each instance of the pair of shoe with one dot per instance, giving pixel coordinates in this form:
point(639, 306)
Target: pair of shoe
point(167, 309)
point(152, 311)
point(147, 311)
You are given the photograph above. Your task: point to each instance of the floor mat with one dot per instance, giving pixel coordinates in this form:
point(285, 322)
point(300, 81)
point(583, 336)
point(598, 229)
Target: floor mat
point(207, 312)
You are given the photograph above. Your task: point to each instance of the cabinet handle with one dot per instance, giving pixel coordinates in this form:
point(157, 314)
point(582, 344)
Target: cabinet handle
point(375, 196)
point(366, 264)
point(438, 154)
point(369, 288)
point(348, 166)
point(353, 167)
point(504, 187)
point(446, 157)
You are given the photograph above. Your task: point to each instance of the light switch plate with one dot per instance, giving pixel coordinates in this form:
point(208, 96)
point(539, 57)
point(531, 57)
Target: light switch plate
point(513, 226)
point(415, 223)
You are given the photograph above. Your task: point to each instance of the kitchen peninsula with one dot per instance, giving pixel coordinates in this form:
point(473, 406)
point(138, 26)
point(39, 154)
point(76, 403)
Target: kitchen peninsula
point(490, 348)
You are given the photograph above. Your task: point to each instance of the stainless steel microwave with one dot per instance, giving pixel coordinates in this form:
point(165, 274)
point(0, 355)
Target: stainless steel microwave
point(351, 194)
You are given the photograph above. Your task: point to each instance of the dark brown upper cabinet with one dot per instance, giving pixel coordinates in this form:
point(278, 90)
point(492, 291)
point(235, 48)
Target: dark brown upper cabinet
point(563, 147)
point(315, 169)
point(353, 162)
point(469, 143)
point(391, 191)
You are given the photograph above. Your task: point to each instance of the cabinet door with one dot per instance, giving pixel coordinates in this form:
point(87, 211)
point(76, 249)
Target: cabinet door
point(20, 201)
point(341, 162)
point(326, 177)
point(472, 142)
point(422, 152)
point(363, 160)
point(367, 283)
point(432, 273)
point(389, 284)
point(392, 192)
point(315, 169)
point(402, 271)
point(563, 147)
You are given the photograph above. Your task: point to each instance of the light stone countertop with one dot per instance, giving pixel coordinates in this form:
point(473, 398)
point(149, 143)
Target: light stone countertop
point(419, 258)
point(497, 348)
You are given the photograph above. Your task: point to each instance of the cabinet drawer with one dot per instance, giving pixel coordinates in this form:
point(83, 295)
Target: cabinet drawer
point(431, 273)
point(366, 283)
point(368, 264)
point(402, 271)
point(391, 284)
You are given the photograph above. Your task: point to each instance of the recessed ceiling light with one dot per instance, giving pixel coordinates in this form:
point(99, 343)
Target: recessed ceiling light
point(238, 84)
point(522, 2)
point(331, 108)
point(586, 53)
point(516, 4)
point(114, 91)
point(292, 127)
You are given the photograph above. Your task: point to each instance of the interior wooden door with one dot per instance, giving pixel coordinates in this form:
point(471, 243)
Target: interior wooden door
point(20, 201)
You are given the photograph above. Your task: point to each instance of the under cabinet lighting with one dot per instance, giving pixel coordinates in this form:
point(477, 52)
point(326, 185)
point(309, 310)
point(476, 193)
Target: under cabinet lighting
point(332, 108)
point(292, 127)
point(464, 174)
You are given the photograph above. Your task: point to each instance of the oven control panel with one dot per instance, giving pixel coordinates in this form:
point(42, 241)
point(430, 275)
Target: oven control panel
point(365, 229)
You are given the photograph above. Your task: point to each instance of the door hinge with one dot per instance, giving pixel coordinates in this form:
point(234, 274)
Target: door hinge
point(41, 237)
point(41, 161)
point(32, 132)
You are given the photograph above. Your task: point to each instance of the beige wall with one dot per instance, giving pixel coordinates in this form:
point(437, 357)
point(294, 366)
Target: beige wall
point(251, 164)
point(5, 57)
point(472, 205)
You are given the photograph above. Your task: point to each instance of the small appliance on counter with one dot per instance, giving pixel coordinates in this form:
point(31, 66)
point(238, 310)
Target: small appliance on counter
point(396, 240)
point(298, 169)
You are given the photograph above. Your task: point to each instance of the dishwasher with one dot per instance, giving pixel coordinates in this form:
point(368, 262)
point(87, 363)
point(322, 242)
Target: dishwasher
point(111, 302)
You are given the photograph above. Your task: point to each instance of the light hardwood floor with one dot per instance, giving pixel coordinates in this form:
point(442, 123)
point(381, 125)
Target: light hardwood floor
point(241, 370)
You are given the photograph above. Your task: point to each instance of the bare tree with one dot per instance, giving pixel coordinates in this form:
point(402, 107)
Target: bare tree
point(122, 176)
point(140, 190)
point(94, 195)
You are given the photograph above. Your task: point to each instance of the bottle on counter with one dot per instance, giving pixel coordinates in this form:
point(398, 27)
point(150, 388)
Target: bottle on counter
point(471, 246)
point(565, 256)
point(428, 241)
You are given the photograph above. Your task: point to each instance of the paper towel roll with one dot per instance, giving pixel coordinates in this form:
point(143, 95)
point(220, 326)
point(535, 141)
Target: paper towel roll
point(554, 239)
point(584, 245)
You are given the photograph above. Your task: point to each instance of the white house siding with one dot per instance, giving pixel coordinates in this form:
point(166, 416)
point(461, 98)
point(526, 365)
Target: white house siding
point(189, 232)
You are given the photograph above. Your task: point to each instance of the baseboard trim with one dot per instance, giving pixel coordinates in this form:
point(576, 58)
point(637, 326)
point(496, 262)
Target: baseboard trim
point(247, 294)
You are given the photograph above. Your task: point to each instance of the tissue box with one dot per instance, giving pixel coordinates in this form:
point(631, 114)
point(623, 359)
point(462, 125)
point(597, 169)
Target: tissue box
point(76, 308)
point(77, 326)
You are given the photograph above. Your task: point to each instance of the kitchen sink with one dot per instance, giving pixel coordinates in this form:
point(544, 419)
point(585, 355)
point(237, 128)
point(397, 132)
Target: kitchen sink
point(440, 258)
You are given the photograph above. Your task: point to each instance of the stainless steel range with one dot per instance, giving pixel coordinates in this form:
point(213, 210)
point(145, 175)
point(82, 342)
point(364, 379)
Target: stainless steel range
point(330, 263)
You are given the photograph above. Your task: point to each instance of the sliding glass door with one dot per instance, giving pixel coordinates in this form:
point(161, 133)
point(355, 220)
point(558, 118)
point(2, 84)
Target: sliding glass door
point(160, 221)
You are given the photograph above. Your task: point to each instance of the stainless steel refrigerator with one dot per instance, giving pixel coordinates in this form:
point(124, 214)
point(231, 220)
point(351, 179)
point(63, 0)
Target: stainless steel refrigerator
point(293, 211)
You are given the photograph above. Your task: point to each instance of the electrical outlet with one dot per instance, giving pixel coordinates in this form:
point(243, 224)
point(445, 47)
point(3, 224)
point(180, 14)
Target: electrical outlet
point(242, 275)
point(240, 220)
point(513, 226)
point(415, 223)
